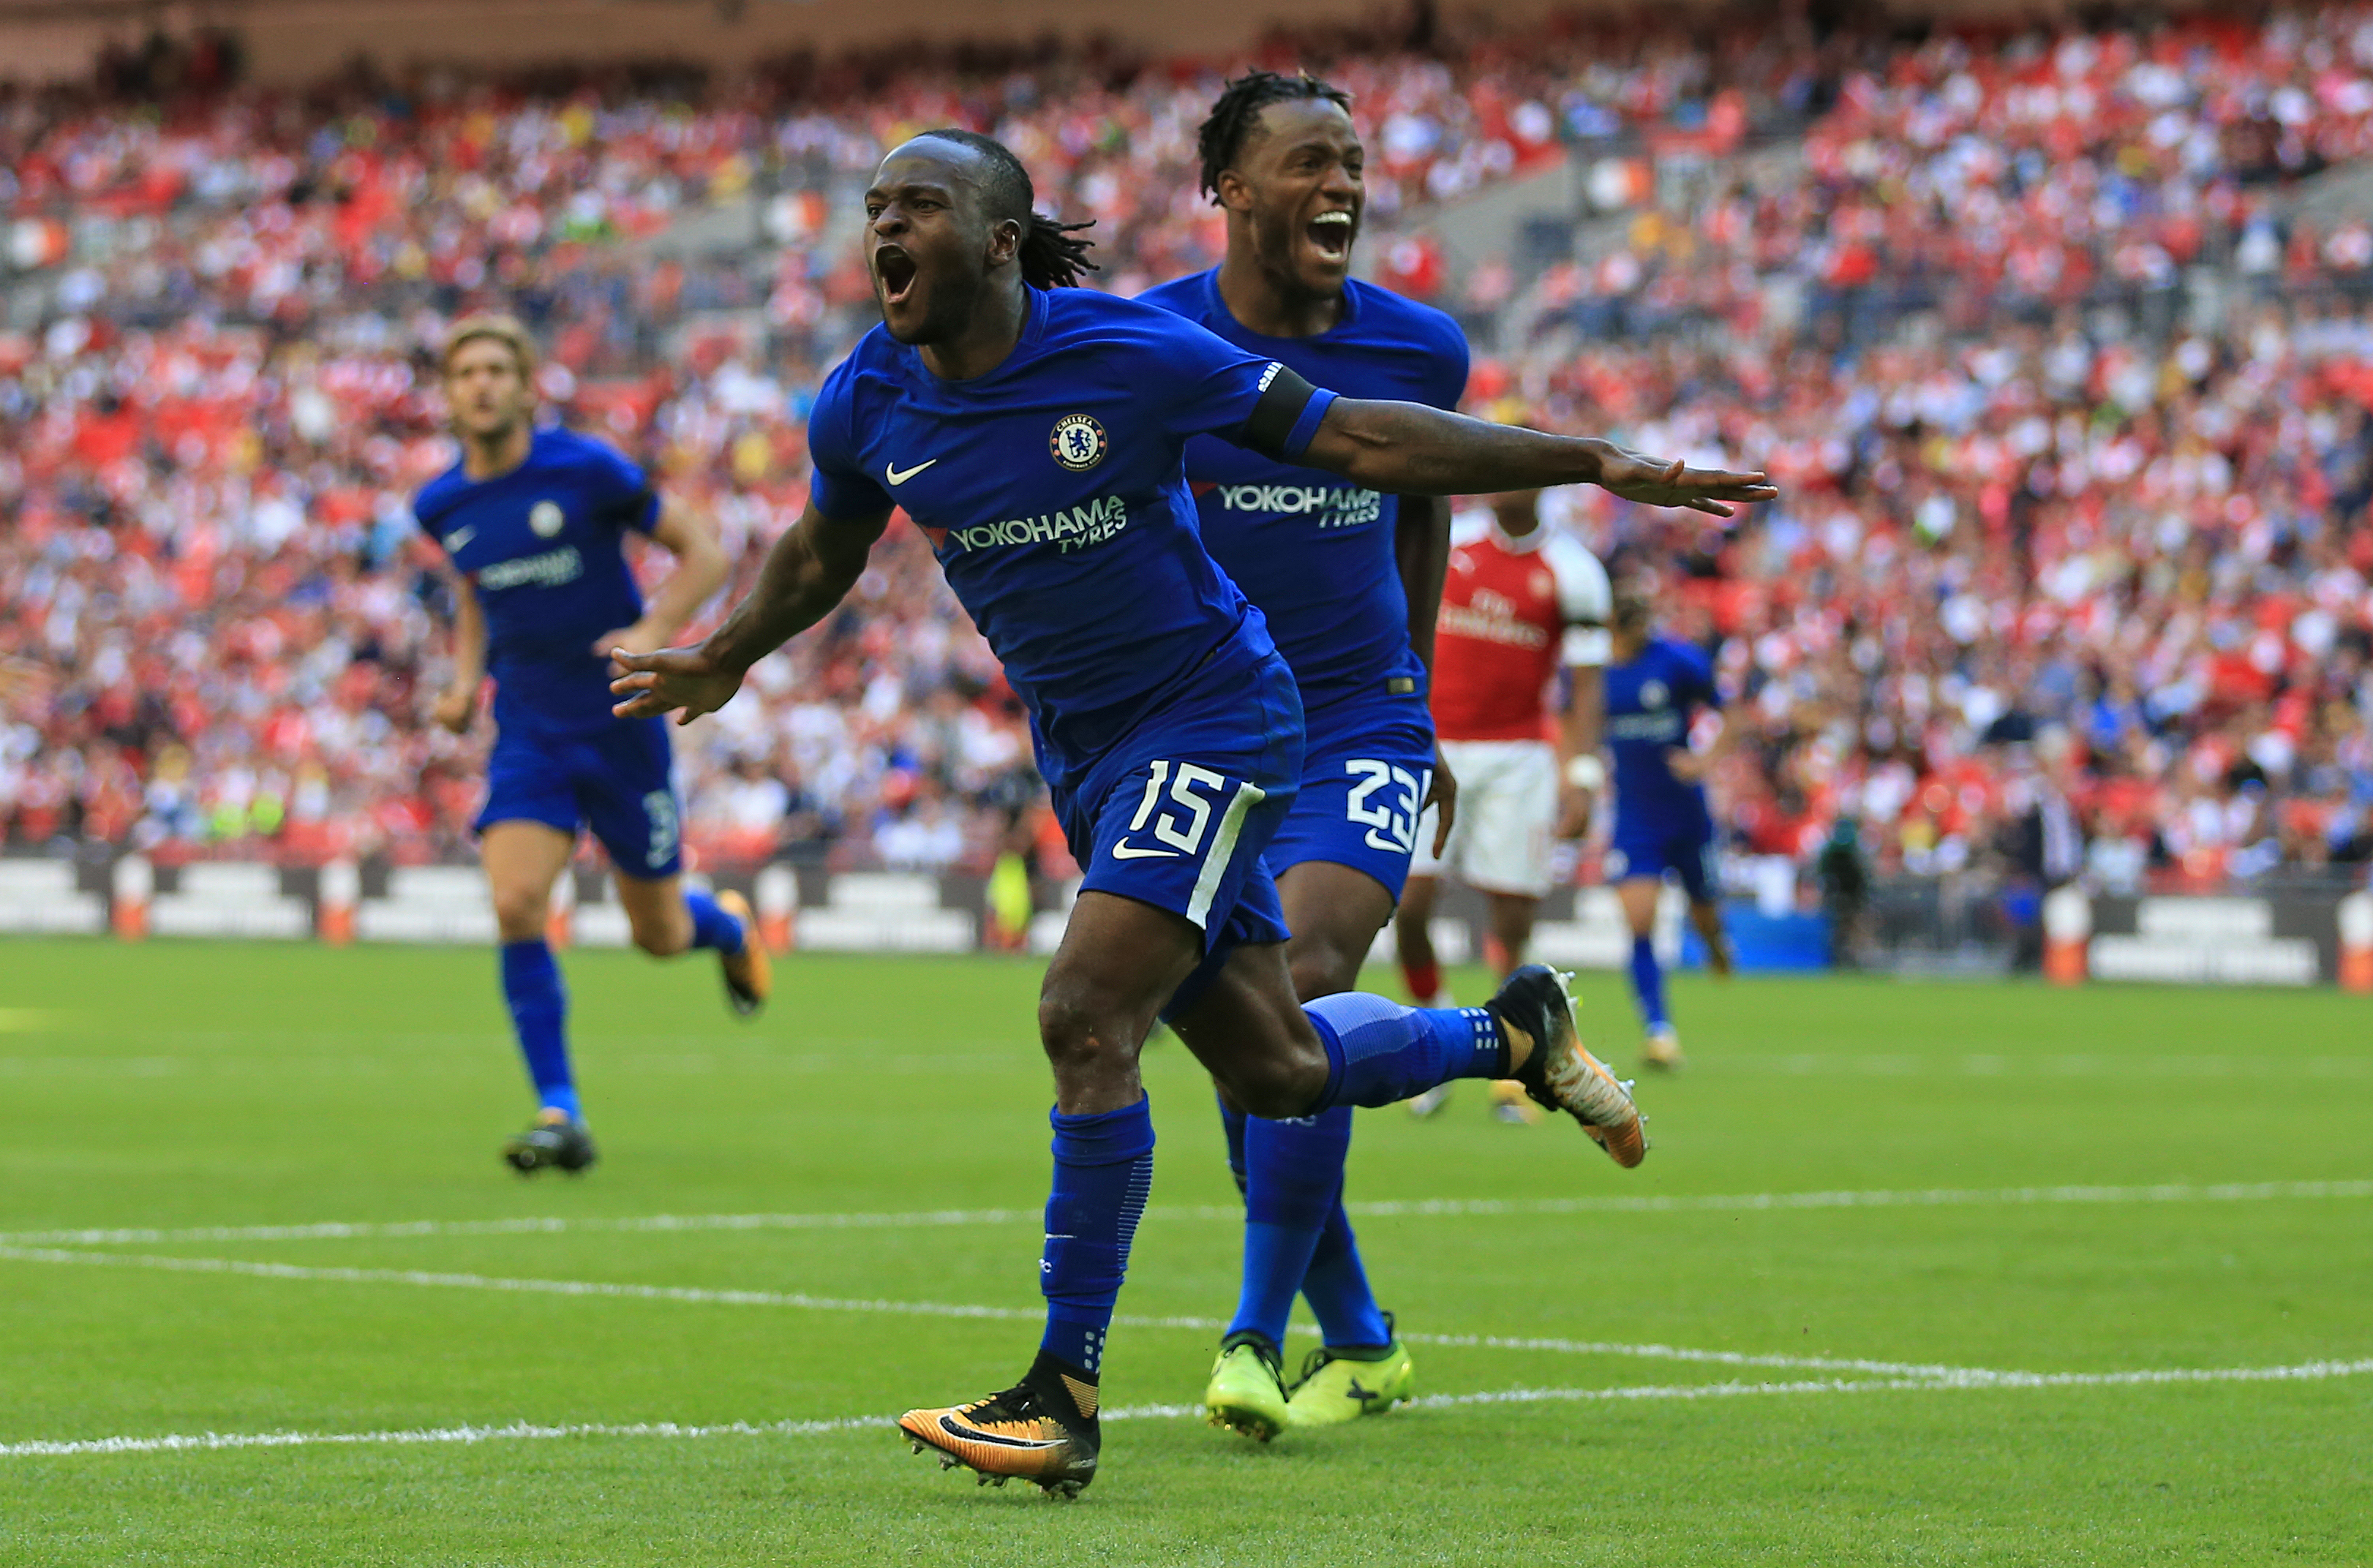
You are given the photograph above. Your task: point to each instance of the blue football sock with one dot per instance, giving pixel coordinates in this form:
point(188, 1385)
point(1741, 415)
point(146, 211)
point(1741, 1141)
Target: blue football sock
point(538, 1004)
point(1104, 1172)
point(711, 927)
point(1295, 1175)
point(1379, 1053)
point(1232, 1123)
point(1336, 1285)
point(1648, 983)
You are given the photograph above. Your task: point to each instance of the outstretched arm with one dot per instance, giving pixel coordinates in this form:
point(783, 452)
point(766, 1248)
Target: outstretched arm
point(810, 570)
point(1415, 450)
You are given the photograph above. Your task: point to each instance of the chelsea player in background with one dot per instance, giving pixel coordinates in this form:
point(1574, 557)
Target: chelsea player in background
point(1348, 578)
point(1035, 431)
point(534, 523)
point(1655, 688)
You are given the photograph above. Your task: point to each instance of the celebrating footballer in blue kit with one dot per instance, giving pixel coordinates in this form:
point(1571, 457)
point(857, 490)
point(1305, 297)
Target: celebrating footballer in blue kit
point(1348, 578)
point(534, 523)
point(1654, 689)
point(1036, 432)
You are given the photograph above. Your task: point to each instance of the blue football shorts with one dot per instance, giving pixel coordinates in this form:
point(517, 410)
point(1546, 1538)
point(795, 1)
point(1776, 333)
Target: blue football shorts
point(617, 781)
point(1177, 813)
point(1652, 849)
point(1364, 776)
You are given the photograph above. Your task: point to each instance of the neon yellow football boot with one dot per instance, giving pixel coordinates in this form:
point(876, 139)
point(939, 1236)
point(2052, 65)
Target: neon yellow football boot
point(1247, 1391)
point(1336, 1388)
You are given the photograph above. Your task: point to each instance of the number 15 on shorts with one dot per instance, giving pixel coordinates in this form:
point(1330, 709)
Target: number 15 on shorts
point(1181, 818)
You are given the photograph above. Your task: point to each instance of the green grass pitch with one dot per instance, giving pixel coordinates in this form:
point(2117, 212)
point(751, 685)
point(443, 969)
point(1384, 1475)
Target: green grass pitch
point(2196, 1192)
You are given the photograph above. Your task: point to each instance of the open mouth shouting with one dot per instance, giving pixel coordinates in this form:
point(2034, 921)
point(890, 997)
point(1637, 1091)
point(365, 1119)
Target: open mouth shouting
point(893, 270)
point(1330, 235)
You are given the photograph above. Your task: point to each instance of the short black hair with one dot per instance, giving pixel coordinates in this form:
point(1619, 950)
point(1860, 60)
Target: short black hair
point(1221, 137)
point(1050, 256)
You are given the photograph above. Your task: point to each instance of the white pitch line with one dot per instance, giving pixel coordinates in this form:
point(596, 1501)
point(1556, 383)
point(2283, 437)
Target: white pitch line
point(2313, 1371)
point(181, 1443)
point(693, 1295)
point(1948, 1379)
point(706, 1296)
point(1936, 1197)
point(1412, 1208)
point(1684, 1353)
point(368, 1230)
point(1970, 1376)
point(2077, 1064)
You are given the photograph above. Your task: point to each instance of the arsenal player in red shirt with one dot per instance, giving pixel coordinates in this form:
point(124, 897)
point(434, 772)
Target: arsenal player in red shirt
point(1520, 602)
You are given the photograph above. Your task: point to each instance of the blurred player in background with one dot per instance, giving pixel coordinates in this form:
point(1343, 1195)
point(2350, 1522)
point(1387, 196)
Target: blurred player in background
point(534, 523)
point(1656, 689)
point(1348, 579)
point(1036, 432)
point(1522, 605)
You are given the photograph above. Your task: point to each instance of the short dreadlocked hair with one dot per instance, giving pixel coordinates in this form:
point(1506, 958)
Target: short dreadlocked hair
point(1049, 256)
point(1237, 113)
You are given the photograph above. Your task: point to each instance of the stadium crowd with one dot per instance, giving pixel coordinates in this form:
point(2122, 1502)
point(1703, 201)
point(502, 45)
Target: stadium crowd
point(2071, 570)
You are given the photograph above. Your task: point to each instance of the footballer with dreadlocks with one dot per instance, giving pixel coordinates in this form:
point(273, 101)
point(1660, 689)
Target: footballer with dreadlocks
point(1036, 433)
point(1349, 578)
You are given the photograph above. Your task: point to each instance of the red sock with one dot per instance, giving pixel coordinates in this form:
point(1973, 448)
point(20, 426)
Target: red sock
point(1424, 981)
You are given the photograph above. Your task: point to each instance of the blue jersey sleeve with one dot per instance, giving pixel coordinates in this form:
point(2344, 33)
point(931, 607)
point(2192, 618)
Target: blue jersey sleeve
point(841, 488)
point(1447, 384)
point(620, 492)
point(1702, 689)
point(428, 521)
point(1216, 389)
point(431, 504)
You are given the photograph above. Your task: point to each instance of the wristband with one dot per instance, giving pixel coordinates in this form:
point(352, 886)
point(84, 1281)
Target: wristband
point(1585, 771)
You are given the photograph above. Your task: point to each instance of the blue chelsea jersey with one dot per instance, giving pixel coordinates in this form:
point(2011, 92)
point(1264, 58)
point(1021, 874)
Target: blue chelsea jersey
point(1650, 702)
point(544, 546)
point(1314, 551)
point(1053, 494)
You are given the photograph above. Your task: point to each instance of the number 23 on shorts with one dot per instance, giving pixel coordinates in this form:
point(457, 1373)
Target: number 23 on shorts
point(1389, 814)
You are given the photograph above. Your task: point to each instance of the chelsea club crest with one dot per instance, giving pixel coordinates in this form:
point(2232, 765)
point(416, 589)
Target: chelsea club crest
point(1077, 442)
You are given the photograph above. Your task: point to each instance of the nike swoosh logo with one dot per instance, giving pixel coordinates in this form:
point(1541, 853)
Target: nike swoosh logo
point(970, 1433)
point(458, 538)
point(890, 472)
point(1128, 851)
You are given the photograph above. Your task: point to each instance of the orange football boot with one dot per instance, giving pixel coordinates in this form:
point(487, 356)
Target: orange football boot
point(1025, 1432)
point(748, 977)
point(1559, 1073)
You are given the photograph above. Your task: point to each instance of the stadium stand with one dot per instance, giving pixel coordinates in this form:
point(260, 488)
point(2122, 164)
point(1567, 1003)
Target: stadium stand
point(2069, 394)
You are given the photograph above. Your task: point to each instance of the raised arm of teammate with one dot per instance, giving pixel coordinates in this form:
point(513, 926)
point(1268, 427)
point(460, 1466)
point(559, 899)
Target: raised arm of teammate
point(1422, 552)
point(1695, 765)
point(1425, 451)
point(1586, 604)
point(810, 570)
point(458, 703)
point(700, 570)
point(1578, 730)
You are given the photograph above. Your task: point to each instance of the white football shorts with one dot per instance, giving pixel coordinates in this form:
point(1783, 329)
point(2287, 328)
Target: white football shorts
point(1507, 810)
